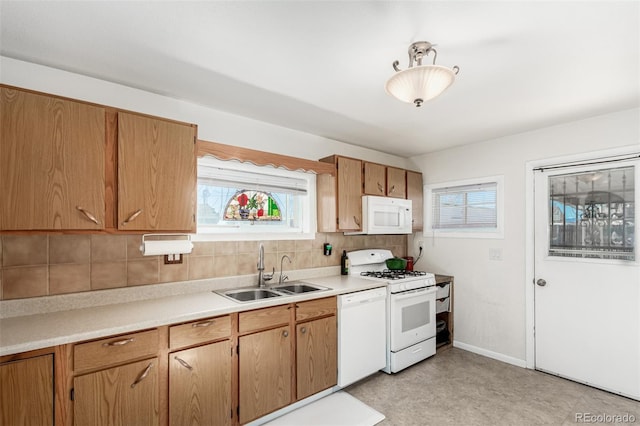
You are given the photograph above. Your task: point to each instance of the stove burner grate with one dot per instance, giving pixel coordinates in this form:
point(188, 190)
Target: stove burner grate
point(393, 274)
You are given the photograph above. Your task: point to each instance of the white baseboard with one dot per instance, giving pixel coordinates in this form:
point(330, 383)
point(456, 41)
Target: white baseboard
point(490, 354)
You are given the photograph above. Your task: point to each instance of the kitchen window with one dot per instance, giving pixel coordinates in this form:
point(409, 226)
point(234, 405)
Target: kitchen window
point(469, 209)
point(243, 201)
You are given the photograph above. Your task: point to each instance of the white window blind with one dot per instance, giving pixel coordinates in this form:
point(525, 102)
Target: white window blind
point(232, 178)
point(465, 206)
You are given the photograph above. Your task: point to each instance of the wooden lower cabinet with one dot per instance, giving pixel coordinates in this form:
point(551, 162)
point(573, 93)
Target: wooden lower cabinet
point(225, 370)
point(118, 396)
point(26, 392)
point(200, 385)
point(316, 356)
point(265, 372)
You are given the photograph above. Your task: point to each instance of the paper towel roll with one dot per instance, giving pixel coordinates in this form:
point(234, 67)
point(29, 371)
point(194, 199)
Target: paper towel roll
point(156, 248)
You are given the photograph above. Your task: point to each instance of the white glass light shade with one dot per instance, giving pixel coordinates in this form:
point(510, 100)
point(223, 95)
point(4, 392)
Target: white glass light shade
point(419, 84)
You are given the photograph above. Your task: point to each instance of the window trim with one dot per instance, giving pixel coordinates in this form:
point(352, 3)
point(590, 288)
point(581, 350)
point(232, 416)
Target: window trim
point(473, 232)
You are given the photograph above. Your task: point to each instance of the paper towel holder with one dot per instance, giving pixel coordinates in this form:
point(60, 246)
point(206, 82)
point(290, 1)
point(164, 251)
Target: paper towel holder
point(171, 247)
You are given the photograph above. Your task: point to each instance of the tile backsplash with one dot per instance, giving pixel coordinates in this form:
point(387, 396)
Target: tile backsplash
point(44, 265)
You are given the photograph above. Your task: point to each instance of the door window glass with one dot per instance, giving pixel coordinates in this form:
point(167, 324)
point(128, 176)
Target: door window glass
point(592, 214)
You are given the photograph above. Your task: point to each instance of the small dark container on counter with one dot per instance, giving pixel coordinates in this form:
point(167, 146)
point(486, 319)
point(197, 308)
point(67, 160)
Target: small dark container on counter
point(409, 260)
point(327, 249)
point(344, 263)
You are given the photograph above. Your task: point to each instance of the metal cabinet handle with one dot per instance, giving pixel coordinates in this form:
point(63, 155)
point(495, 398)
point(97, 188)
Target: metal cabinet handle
point(285, 333)
point(380, 187)
point(206, 323)
point(393, 187)
point(143, 376)
point(132, 217)
point(303, 330)
point(356, 220)
point(119, 342)
point(541, 282)
point(184, 363)
point(88, 214)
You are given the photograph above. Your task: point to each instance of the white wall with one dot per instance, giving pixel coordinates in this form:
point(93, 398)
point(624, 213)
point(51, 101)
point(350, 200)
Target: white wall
point(213, 125)
point(489, 294)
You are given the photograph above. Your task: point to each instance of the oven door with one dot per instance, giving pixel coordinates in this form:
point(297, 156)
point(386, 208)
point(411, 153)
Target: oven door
point(412, 317)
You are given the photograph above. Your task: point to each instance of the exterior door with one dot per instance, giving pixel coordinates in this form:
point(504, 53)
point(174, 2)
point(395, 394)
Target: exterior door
point(587, 275)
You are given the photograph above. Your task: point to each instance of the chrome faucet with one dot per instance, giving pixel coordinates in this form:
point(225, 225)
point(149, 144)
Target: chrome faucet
point(283, 278)
point(262, 277)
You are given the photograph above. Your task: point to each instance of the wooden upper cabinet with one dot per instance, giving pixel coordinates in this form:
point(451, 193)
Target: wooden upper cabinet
point(375, 179)
point(383, 181)
point(396, 186)
point(415, 194)
point(348, 192)
point(52, 163)
point(156, 174)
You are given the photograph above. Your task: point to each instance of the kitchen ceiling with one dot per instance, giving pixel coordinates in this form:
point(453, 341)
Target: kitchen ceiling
point(320, 66)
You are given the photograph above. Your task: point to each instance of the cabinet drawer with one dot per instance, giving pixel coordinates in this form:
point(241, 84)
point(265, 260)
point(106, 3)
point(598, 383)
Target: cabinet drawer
point(200, 331)
point(114, 350)
point(316, 308)
point(263, 318)
point(443, 305)
point(442, 291)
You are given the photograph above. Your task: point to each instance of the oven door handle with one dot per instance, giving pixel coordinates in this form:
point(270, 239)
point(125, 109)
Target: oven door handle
point(413, 293)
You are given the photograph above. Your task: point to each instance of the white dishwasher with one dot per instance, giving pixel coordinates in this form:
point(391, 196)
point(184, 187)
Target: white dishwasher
point(362, 334)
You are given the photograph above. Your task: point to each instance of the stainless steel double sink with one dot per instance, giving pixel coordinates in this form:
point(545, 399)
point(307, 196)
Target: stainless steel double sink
point(253, 294)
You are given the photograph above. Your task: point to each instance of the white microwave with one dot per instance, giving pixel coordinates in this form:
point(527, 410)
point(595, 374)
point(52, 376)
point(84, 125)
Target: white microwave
point(385, 215)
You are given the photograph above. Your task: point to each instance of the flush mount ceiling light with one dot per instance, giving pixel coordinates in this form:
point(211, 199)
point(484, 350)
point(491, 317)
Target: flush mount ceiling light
point(420, 83)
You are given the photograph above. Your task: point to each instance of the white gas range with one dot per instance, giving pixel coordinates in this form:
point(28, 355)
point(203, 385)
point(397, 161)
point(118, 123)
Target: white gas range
point(411, 307)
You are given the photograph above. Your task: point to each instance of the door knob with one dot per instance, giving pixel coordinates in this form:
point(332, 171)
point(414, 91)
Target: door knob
point(541, 282)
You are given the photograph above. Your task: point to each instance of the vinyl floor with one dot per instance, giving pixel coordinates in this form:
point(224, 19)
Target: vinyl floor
point(457, 387)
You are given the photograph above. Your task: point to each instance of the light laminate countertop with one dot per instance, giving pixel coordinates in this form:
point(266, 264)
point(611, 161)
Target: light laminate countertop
point(42, 330)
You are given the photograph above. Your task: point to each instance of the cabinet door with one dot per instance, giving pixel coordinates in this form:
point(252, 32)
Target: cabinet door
point(27, 392)
point(326, 203)
point(265, 372)
point(156, 174)
point(317, 360)
point(119, 396)
point(414, 193)
point(52, 163)
point(396, 186)
point(200, 385)
point(375, 179)
point(349, 194)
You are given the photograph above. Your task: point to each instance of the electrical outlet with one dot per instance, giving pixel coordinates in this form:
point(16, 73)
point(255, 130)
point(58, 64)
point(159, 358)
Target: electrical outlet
point(172, 259)
point(420, 244)
point(495, 254)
